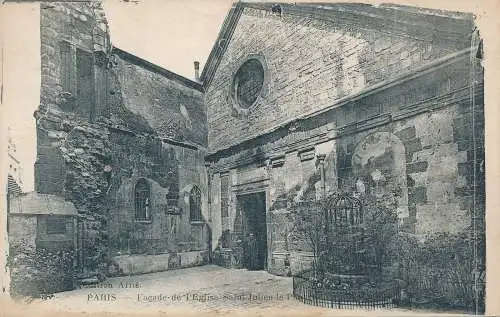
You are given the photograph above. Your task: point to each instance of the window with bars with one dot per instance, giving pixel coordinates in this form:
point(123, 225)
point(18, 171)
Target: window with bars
point(142, 200)
point(224, 195)
point(195, 204)
point(56, 225)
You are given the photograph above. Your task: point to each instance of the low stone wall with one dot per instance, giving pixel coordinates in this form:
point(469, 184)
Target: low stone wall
point(141, 264)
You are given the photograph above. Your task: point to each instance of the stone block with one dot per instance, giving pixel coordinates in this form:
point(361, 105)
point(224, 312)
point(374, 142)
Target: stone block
point(440, 192)
point(465, 169)
point(141, 264)
point(464, 192)
point(412, 146)
point(462, 129)
point(433, 218)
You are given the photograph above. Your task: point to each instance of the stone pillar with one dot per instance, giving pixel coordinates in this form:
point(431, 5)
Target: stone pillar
point(277, 190)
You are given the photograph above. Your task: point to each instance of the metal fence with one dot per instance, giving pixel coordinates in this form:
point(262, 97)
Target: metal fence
point(307, 292)
point(427, 292)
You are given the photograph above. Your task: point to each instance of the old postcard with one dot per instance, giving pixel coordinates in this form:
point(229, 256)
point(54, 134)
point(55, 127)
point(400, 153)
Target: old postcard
point(221, 156)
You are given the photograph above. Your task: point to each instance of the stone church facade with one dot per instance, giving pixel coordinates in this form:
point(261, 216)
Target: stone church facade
point(353, 98)
point(295, 102)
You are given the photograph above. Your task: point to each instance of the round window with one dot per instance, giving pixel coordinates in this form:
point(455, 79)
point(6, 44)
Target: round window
point(248, 83)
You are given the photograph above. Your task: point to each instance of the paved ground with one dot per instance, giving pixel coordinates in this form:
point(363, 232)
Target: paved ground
point(206, 288)
point(200, 288)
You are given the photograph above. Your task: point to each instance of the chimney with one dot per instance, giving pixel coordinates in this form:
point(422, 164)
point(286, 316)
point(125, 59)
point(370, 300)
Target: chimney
point(197, 70)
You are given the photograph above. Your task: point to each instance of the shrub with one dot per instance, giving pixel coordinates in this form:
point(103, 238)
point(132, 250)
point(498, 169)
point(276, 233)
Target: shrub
point(445, 270)
point(41, 272)
point(346, 250)
point(437, 271)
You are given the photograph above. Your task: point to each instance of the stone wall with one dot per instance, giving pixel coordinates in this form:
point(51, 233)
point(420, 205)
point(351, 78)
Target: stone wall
point(422, 138)
point(69, 32)
point(312, 61)
point(72, 148)
point(168, 104)
point(108, 119)
point(158, 132)
point(56, 241)
point(79, 155)
point(171, 172)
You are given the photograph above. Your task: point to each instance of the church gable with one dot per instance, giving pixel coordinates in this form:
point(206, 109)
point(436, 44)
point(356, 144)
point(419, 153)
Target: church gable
point(314, 55)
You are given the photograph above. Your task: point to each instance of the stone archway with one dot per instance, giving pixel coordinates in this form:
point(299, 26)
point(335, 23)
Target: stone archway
point(379, 167)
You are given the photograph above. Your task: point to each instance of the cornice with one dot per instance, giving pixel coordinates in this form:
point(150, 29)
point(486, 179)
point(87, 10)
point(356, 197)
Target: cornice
point(278, 153)
point(170, 141)
point(461, 56)
point(221, 43)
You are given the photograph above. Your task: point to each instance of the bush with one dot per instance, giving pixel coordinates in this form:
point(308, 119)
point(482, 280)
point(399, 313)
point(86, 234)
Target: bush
point(445, 270)
point(361, 249)
point(438, 271)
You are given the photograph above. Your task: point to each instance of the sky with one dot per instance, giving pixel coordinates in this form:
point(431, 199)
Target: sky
point(21, 85)
point(170, 33)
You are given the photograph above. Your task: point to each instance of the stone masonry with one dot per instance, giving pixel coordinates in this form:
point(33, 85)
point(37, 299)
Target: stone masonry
point(108, 119)
point(378, 109)
point(354, 98)
point(346, 58)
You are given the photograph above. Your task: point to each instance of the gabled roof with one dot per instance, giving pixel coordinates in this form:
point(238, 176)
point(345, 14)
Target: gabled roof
point(34, 203)
point(452, 27)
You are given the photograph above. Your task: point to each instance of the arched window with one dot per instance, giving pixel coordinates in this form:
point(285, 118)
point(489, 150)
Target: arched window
point(195, 204)
point(142, 200)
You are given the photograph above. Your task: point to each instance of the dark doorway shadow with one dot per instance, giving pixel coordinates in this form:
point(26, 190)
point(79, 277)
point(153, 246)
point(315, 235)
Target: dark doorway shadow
point(253, 230)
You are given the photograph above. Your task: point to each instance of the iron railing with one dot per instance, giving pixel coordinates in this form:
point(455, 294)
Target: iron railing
point(308, 292)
